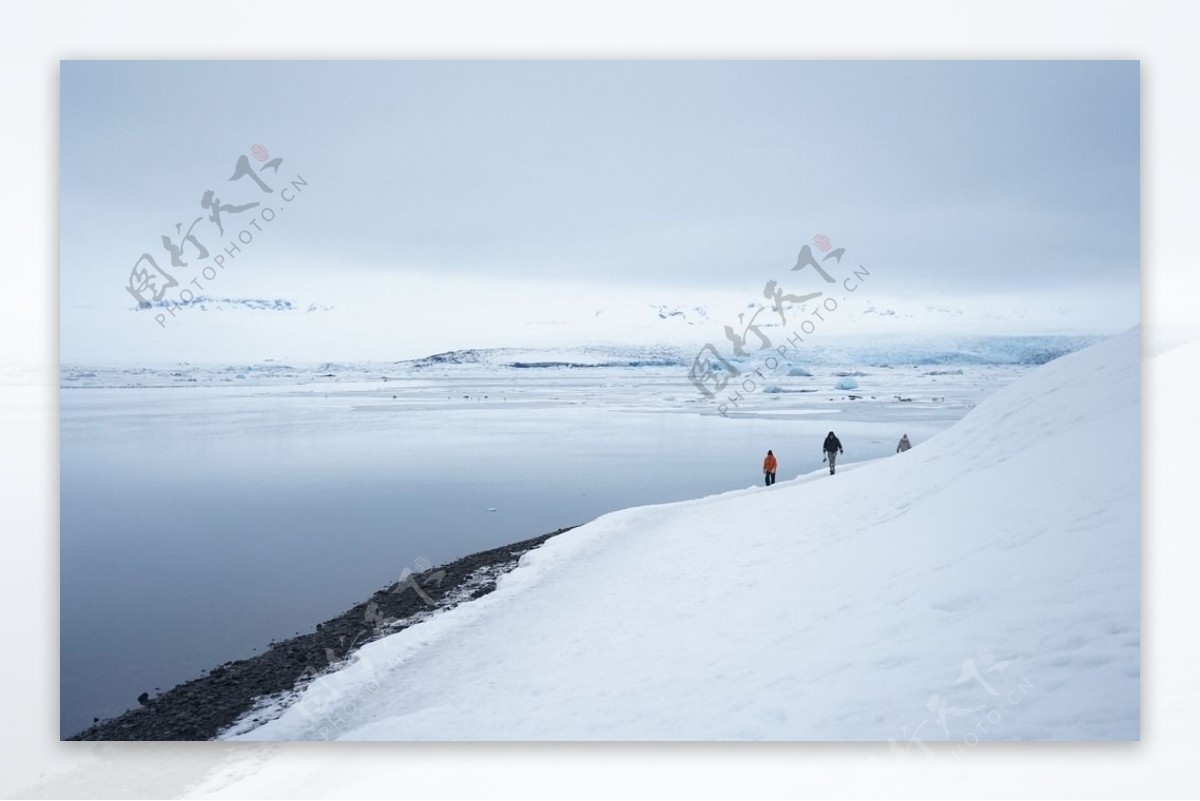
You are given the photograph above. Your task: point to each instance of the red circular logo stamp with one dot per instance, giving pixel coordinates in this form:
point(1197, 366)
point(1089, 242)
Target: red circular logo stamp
point(259, 152)
point(822, 241)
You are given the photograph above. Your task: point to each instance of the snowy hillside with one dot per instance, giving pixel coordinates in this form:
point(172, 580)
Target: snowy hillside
point(982, 586)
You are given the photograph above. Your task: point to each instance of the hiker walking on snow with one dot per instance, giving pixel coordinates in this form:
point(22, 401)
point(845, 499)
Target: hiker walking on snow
point(904, 444)
point(832, 447)
point(769, 465)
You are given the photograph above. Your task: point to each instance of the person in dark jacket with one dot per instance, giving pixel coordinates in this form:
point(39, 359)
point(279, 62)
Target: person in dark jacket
point(903, 444)
point(832, 447)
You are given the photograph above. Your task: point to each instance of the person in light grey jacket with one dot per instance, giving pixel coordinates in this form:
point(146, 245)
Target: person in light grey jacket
point(904, 444)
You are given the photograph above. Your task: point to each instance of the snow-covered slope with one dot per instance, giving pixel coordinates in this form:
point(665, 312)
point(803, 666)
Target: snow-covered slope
point(983, 585)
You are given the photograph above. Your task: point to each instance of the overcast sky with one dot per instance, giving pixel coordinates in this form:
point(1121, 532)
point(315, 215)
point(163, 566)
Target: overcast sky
point(457, 204)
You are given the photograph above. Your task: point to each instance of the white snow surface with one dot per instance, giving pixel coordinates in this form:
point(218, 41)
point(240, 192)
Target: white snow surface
point(982, 585)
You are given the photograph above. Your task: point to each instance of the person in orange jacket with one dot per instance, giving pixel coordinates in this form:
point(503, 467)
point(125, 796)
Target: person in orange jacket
point(769, 465)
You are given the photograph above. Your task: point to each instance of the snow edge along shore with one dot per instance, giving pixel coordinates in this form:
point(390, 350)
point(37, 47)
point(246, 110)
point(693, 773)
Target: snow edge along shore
point(202, 708)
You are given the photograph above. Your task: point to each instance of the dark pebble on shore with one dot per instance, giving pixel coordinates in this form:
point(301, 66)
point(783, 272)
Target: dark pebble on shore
point(201, 708)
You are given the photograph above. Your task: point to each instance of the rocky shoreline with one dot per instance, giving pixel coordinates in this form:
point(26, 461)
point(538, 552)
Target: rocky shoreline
point(202, 708)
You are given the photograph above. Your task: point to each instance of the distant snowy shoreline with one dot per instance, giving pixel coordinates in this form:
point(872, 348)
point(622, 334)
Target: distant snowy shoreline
point(887, 353)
